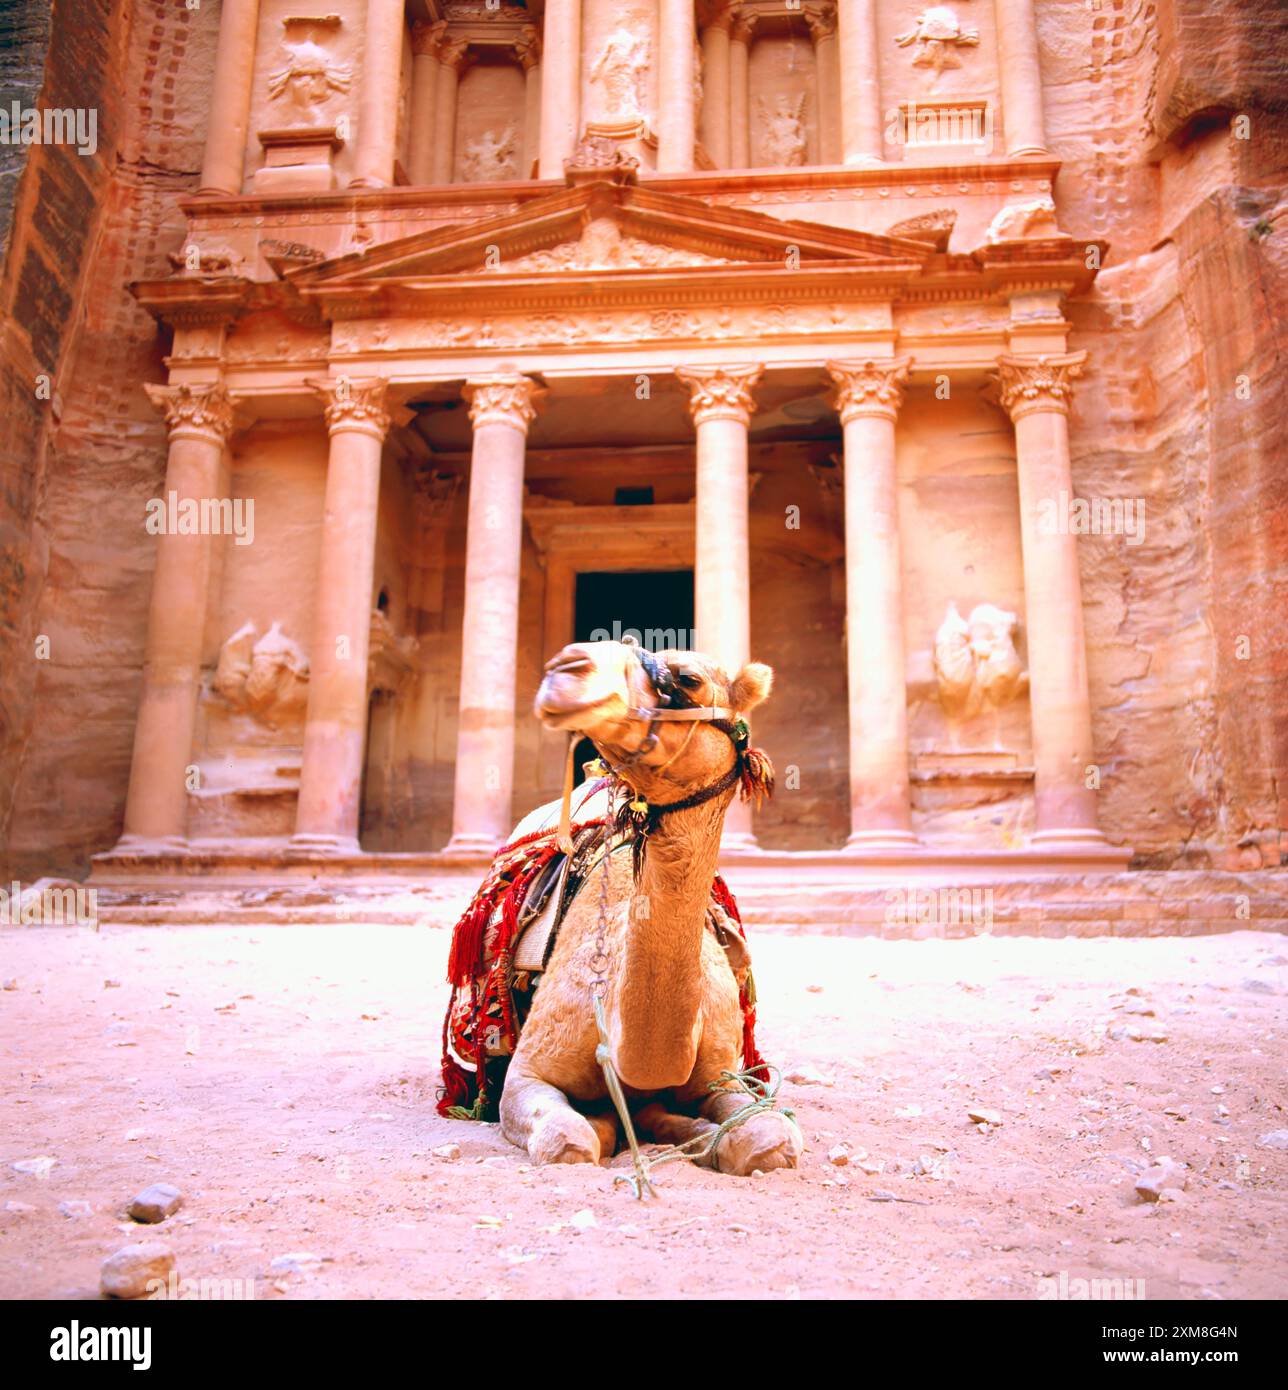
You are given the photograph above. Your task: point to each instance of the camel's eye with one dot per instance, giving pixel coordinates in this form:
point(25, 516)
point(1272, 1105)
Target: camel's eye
point(689, 680)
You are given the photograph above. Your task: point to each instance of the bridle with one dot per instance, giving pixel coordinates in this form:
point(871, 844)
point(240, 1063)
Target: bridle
point(636, 817)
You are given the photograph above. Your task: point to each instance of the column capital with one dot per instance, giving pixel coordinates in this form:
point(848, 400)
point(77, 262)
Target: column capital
point(355, 403)
point(872, 386)
point(503, 400)
point(426, 38)
point(744, 24)
point(718, 14)
point(194, 410)
point(527, 47)
point(720, 393)
point(821, 19)
point(1043, 382)
point(454, 54)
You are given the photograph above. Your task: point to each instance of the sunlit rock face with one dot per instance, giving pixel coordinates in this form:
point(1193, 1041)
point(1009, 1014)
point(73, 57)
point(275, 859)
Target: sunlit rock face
point(1164, 191)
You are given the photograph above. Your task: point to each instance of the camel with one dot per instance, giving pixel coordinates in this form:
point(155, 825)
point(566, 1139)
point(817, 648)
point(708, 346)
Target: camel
point(671, 997)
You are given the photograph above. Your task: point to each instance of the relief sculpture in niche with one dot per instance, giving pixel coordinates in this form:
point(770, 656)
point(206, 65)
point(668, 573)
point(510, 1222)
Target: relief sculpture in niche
point(935, 38)
point(977, 667)
point(489, 157)
point(619, 70)
point(783, 141)
point(266, 677)
point(310, 76)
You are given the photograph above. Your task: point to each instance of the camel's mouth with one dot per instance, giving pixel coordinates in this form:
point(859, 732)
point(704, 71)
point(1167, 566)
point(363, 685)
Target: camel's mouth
point(582, 687)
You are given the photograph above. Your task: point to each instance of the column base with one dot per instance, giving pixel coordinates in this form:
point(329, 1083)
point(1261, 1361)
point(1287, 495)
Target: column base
point(325, 844)
point(881, 840)
point(469, 845)
point(1028, 150)
point(1074, 837)
point(151, 844)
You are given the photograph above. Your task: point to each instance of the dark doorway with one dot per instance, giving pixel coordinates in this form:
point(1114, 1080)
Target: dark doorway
point(655, 606)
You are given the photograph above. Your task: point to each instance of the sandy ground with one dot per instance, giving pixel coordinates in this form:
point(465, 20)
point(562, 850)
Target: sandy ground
point(283, 1078)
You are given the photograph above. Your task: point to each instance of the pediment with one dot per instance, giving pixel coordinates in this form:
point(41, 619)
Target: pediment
point(603, 228)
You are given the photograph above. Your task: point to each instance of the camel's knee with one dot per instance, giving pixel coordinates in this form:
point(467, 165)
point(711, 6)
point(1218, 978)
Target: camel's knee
point(563, 1136)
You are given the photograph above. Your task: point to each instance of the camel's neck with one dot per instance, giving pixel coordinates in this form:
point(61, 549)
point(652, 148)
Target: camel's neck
point(656, 1022)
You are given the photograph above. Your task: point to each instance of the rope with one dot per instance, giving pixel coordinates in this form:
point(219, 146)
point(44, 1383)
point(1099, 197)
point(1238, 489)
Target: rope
point(762, 1095)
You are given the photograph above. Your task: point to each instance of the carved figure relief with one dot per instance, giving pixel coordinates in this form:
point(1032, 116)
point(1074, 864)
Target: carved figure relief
point(489, 157)
point(977, 667)
point(783, 142)
point(935, 38)
point(266, 677)
point(1022, 220)
point(603, 247)
point(620, 69)
point(310, 76)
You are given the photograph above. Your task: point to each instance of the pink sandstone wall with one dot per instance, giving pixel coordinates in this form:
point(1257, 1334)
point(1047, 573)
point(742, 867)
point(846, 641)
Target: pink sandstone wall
point(1182, 406)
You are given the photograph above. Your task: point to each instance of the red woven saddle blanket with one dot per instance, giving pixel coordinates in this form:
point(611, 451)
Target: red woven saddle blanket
point(490, 998)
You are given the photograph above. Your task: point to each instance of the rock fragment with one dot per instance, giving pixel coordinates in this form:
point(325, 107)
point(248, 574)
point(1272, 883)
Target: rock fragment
point(136, 1270)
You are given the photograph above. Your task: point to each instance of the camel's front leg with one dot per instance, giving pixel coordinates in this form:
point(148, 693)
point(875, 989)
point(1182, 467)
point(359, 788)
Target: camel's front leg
point(765, 1141)
point(538, 1117)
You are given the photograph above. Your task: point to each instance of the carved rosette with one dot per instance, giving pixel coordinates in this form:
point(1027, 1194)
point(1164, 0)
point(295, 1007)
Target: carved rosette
point(821, 19)
point(1027, 384)
point(426, 38)
point(720, 393)
point(194, 411)
point(873, 387)
point(503, 400)
point(355, 403)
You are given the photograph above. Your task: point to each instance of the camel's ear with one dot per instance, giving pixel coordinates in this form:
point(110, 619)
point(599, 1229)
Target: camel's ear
point(753, 684)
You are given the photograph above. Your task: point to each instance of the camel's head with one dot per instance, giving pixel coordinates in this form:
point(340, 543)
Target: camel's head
point(605, 689)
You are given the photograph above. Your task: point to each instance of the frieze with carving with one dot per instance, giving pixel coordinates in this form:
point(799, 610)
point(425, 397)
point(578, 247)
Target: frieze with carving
point(612, 328)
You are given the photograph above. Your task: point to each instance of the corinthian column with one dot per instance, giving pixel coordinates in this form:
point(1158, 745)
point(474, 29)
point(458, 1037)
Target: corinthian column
point(224, 163)
point(744, 25)
point(715, 65)
point(868, 397)
point(373, 159)
point(560, 85)
point(676, 129)
point(1021, 73)
point(425, 40)
point(721, 403)
point(335, 729)
point(860, 74)
point(501, 409)
point(821, 19)
point(1036, 392)
point(528, 49)
point(452, 58)
point(156, 805)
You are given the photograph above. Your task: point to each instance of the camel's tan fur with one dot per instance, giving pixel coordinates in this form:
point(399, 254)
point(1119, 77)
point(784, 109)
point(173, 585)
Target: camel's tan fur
point(671, 998)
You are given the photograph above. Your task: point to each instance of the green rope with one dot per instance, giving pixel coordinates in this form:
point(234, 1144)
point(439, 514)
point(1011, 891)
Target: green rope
point(762, 1095)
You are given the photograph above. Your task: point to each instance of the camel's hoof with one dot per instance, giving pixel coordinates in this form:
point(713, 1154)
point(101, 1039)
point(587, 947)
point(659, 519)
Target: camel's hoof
point(768, 1141)
point(563, 1137)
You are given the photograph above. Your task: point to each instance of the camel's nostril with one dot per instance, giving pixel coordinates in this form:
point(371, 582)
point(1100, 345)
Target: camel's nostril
point(568, 665)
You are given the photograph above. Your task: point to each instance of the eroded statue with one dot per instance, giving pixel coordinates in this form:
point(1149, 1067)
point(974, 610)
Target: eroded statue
point(783, 142)
point(976, 664)
point(935, 38)
point(489, 157)
point(266, 677)
point(619, 70)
